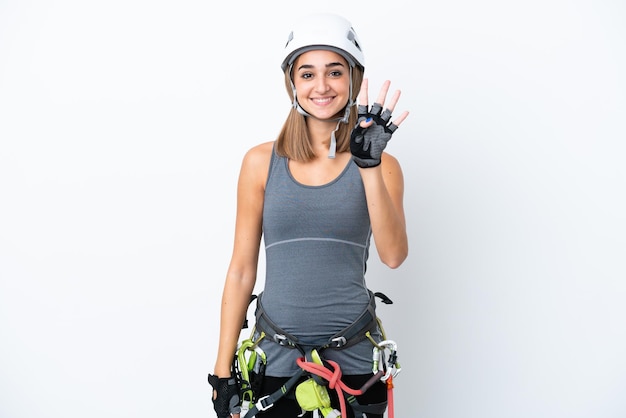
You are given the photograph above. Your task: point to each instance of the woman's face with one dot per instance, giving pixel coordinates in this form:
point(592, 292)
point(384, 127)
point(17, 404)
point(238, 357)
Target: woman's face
point(322, 81)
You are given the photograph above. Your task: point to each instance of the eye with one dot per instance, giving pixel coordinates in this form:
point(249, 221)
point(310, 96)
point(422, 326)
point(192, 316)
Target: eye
point(306, 76)
point(336, 73)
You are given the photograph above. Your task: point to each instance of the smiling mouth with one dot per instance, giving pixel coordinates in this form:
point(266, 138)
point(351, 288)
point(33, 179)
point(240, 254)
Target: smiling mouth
point(322, 101)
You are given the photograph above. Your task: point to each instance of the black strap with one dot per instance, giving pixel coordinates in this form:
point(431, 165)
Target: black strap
point(372, 408)
point(383, 298)
point(268, 401)
point(245, 320)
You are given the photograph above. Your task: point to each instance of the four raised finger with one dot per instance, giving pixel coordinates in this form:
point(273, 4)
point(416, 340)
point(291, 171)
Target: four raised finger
point(363, 100)
point(383, 92)
point(401, 118)
point(382, 96)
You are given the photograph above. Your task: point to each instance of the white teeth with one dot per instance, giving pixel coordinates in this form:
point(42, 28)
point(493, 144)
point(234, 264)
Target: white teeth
point(322, 100)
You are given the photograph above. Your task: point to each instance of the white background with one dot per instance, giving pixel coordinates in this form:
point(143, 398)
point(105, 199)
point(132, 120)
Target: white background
point(122, 127)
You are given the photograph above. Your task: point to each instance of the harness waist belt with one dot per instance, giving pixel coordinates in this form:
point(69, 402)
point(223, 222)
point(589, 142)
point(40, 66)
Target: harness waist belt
point(347, 337)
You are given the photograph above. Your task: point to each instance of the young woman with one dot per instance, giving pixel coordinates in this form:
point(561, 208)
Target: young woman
point(317, 194)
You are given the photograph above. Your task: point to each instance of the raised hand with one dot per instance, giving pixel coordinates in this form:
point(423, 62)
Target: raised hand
point(373, 129)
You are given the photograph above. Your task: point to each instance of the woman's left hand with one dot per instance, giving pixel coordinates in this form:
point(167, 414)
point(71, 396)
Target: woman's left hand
point(373, 130)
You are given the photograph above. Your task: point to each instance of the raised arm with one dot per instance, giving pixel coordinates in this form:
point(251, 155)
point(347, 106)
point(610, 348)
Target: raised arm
point(384, 190)
point(381, 174)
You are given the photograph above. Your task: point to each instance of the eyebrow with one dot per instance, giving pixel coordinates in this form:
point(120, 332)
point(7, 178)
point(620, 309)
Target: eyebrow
point(330, 64)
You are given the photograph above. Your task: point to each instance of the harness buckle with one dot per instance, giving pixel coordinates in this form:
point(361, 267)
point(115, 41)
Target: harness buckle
point(261, 404)
point(338, 342)
point(282, 340)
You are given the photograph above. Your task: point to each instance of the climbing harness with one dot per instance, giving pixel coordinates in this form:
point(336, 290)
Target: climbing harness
point(356, 332)
point(316, 375)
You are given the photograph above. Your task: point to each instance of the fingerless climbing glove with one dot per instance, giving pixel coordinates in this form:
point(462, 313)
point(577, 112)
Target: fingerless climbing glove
point(227, 400)
point(367, 144)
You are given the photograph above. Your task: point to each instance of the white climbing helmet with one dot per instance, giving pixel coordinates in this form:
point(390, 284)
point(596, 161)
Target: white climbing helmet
point(323, 31)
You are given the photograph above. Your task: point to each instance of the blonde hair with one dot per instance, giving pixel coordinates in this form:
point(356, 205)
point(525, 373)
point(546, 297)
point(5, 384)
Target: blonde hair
point(293, 140)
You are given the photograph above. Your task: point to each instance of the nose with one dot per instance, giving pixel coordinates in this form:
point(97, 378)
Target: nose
point(321, 85)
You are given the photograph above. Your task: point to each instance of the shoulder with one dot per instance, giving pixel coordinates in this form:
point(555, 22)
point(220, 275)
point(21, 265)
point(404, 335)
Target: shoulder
point(259, 154)
point(256, 161)
point(258, 157)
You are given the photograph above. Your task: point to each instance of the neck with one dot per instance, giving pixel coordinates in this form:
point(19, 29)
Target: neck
point(322, 136)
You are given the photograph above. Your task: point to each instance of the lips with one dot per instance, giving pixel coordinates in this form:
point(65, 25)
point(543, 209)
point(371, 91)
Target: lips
point(322, 101)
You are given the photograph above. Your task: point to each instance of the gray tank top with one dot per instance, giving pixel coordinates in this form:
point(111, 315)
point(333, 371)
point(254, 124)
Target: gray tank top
point(317, 242)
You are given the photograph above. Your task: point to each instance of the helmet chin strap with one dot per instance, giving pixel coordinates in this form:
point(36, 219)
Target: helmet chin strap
point(332, 149)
